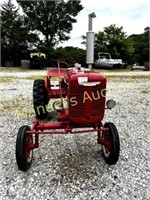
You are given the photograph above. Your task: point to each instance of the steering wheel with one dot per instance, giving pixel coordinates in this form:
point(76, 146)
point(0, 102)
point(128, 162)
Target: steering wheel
point(63, 62)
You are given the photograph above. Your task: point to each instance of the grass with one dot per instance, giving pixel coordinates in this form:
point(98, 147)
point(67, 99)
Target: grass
point(11, 103)
point(11, 69)
point(6, 79)
point(34, 77)
point(109, 74)
point(112, 70)
point(20, 69)
point(129, 77)
point(16, 105)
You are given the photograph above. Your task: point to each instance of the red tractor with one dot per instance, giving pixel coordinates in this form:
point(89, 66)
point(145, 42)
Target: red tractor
point(85, 93)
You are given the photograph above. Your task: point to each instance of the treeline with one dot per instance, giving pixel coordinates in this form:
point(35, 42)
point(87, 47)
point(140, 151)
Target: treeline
point(45, 24)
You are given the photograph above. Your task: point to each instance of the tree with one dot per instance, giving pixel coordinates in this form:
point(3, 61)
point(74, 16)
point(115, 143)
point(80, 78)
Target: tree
point(71, 55)
point(15, 36)
point(53, 19)
point(141, 46)
point(114, 40)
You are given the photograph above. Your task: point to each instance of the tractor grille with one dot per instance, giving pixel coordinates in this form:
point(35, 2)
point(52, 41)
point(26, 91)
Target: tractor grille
point(85, 106)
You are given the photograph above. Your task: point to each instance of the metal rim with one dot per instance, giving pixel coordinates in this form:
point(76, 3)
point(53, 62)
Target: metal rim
point(28, 149)
point(107, 144)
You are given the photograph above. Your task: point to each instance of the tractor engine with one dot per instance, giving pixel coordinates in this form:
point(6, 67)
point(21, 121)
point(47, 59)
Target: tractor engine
point(86, 96)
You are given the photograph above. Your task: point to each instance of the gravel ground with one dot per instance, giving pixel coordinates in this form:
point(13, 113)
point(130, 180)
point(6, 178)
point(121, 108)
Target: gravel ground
point(71, 167)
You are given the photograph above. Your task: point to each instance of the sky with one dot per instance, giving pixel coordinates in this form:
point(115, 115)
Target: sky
point(132, 15)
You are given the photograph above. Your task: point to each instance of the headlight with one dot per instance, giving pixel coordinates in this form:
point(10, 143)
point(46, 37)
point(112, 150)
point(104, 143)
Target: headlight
point(110, 104)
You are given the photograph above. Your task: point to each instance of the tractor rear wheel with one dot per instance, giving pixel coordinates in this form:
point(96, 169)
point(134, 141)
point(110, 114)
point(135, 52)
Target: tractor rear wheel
point(24, 153)
point(40, 99)
point(111, 146)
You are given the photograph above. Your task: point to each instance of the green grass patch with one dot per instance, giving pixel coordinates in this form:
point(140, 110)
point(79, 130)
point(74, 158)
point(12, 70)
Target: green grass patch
point(6, 79)
point(10, 104)
point(11, 69)
point(112, 70)
point(21, 106)
point(19, 69)
point(34, 77)
point(128, 76)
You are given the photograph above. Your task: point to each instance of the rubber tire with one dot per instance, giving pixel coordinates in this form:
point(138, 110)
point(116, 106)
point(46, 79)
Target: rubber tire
point(22, 162)
point(40, 99)
point(113, 157)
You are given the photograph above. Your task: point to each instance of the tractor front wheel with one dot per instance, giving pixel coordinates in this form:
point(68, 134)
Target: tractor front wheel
point(111, 144)
point(24, 152)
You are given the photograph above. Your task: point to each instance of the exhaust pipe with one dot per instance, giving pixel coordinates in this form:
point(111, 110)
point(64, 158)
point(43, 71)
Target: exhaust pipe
point(90, 42)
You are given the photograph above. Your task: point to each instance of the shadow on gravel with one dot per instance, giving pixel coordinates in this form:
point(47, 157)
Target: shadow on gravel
point(83, 165)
